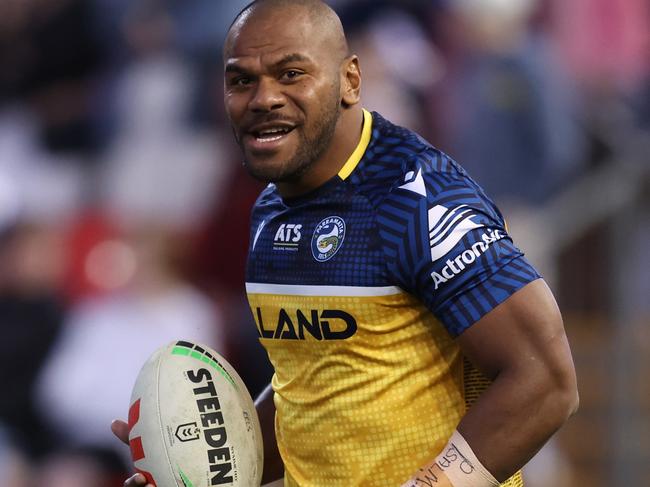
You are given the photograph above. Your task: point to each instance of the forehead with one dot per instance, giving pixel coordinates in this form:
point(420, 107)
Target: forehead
point(274, 35)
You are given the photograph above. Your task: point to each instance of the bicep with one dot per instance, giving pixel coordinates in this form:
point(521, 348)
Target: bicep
point(523, 333)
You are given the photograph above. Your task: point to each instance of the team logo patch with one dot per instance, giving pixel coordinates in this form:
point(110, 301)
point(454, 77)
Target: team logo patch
point(328, 238)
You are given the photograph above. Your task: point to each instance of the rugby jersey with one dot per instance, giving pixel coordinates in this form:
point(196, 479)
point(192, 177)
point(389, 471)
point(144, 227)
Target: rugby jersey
point(358, 290)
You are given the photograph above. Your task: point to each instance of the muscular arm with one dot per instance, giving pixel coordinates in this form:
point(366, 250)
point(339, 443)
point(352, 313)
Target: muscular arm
point(522, 347)
point(273, 466)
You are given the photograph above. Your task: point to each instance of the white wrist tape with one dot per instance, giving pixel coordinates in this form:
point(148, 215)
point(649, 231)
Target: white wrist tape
point(461, 466)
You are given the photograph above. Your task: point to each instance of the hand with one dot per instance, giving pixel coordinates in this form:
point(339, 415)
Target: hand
point(430, 475)
point(121, 430)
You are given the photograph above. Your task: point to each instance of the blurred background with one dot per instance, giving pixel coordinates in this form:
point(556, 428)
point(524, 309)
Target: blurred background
point(124, 205)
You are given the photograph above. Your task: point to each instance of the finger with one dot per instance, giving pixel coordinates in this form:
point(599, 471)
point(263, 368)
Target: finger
point(136, 481)
point(121, 430)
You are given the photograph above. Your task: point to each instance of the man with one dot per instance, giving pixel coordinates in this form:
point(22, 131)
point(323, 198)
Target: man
point(412, 343)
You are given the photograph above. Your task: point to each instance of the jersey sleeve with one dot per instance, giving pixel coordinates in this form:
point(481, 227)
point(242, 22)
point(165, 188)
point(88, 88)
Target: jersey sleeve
point(446, 242)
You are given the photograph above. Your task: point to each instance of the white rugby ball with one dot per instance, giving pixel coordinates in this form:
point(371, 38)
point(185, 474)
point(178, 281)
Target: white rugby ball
point(192, 422)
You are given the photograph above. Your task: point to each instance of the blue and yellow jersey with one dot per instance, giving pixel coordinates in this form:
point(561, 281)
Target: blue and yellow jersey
point(358, 291)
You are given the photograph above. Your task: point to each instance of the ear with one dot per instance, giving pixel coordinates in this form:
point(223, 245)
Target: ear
point(350, 81)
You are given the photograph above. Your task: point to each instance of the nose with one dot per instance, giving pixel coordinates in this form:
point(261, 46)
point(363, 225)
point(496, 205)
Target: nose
point(268, 96)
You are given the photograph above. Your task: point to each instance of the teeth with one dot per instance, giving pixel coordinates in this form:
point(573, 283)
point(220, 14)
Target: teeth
point(272, 134)
point(267, 138)
point(274, 131)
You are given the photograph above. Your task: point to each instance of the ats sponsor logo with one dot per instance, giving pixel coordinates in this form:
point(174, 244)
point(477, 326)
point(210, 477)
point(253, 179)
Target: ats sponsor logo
point(287, 237)
point(457, 264)
point(297, 324)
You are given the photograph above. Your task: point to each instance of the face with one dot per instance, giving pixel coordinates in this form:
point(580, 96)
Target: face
point(282, 95)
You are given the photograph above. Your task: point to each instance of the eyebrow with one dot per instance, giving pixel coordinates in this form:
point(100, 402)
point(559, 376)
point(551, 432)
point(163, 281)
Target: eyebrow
point(233, 67)
point(291, 58)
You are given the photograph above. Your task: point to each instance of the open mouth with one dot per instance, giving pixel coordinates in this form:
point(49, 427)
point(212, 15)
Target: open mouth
point(268, 135)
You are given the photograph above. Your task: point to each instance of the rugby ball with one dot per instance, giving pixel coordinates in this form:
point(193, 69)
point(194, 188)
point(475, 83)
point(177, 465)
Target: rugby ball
point(192, 422)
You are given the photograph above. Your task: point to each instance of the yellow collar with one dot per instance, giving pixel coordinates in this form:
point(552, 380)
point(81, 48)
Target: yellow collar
point(356, 156)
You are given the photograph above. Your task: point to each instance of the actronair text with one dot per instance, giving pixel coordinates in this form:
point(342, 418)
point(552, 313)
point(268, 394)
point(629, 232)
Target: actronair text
point(214, 431)
point(457, 264)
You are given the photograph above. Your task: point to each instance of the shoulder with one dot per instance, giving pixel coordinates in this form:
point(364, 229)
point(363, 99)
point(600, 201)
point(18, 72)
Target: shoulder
point(397, 158)
point(401, 165)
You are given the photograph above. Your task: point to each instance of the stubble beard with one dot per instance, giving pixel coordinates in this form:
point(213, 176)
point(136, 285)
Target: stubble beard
point(309, 149)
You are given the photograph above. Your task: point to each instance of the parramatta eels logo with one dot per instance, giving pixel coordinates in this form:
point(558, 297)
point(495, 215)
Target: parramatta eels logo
point(328, 238)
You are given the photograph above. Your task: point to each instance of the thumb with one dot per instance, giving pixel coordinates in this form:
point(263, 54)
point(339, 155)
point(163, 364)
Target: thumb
point(121, 430)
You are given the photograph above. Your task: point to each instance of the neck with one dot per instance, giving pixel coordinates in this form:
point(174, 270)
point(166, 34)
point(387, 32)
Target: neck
point(346, 138)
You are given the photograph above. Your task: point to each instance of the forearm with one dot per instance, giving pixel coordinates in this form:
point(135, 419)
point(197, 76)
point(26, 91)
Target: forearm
point(498, 435)
point(516, 415)
point(273, 466)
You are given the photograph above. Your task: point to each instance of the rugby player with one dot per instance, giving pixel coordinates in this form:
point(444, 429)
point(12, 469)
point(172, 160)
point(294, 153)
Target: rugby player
point(412, 342)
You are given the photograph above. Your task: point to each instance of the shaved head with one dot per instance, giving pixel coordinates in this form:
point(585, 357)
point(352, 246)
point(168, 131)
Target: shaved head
point(324, 21)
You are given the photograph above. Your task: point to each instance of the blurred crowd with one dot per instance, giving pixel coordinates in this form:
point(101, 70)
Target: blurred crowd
point(124, 205)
